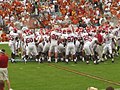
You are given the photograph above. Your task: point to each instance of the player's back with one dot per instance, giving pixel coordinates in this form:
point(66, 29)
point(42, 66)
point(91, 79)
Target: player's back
point(13, 36)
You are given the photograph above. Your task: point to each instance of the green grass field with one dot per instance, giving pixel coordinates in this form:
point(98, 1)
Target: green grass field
point(62, 76)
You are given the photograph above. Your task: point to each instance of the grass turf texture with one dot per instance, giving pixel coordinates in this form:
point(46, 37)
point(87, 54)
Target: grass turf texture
point(34, 76)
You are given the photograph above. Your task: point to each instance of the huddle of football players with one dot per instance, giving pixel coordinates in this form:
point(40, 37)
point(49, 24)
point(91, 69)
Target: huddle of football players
point(72, 43)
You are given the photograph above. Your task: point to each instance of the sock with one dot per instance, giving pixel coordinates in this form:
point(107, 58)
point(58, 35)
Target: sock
point(56, 60)
point(66, 60)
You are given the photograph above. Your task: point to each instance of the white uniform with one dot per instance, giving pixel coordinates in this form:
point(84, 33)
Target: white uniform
point(61, 46)
point(108, 44)
point(87, 41)
point(54, 41)
point(118, 36)
point(46, 45)
point(77, 43)
point(70, 47)
point(12, 41)
point(30, 45)
point(40, 43)
point(89, 46)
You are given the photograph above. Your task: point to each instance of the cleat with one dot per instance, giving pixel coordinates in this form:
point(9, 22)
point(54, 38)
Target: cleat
point(75, 62)
point(105, 58)
point(87, 62)
point(36, 60)
point(22, 57)
point(99, 60)
point(102, 60)
point(25, 60)
point(39, 60)
point(109, 55)
point(95, 62)
point(43, 59)
point(117, 54)
point(67, 62)
point(62, 59)
point(49, 60)
point(56, 61)
point(112, 60)
point(83, 59)
point(12, 60)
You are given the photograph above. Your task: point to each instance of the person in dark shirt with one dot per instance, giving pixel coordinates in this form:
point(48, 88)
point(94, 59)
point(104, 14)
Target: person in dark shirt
point(99, 37)
point(3, 68)
point(3, 59)
point(2, 85)
point(99, 48)
point(109, 88)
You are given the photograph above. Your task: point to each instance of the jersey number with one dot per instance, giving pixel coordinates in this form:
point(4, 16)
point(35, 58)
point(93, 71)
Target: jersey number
point(55, 37)
point(29, 40)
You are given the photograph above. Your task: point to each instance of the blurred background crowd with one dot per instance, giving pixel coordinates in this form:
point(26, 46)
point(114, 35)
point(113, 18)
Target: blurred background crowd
point(81, 13)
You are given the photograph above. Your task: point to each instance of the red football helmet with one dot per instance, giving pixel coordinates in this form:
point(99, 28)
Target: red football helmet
point(69, 31)
point(15, 30)
point(64, 31)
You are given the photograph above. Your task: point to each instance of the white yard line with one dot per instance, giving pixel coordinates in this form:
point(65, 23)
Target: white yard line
point(114, 89)
point(3, 42)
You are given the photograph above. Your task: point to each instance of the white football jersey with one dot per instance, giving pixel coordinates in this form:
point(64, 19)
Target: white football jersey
point(108, 38)
point(29, 39)
point(13, 36)
point(70, 37)
point(55, 36)
point(86, 37)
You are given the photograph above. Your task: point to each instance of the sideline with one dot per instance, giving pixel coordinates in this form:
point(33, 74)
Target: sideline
point(3, 42)
point(85, 74)
point(114, 89)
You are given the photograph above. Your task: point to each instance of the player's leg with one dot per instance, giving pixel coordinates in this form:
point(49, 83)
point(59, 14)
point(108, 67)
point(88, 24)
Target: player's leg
point(110, 51)
point(50, 53)
point(74, 54)
point(104, 52)
point(12, 47)
point(87, 53)
point(56, 54)
point(67, 50)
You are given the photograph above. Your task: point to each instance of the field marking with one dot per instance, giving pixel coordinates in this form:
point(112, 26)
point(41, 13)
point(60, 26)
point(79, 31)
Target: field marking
point(38, 67)
point(114, 89)
point(84, 74)
point(73, 65)
point(21, 68)
point(4, 42)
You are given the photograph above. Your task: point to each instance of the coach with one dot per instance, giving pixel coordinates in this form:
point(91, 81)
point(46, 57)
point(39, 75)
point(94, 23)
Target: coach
point(3, 68)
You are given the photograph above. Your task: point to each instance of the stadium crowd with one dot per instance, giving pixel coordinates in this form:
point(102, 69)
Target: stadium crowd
point(68, 29)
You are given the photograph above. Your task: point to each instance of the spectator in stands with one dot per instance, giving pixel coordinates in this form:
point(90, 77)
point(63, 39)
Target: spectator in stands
point(3, 68)
point(4, 37)
point(56, 7)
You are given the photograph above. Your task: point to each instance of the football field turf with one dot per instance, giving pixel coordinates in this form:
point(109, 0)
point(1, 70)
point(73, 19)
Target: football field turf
point(62, 76)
